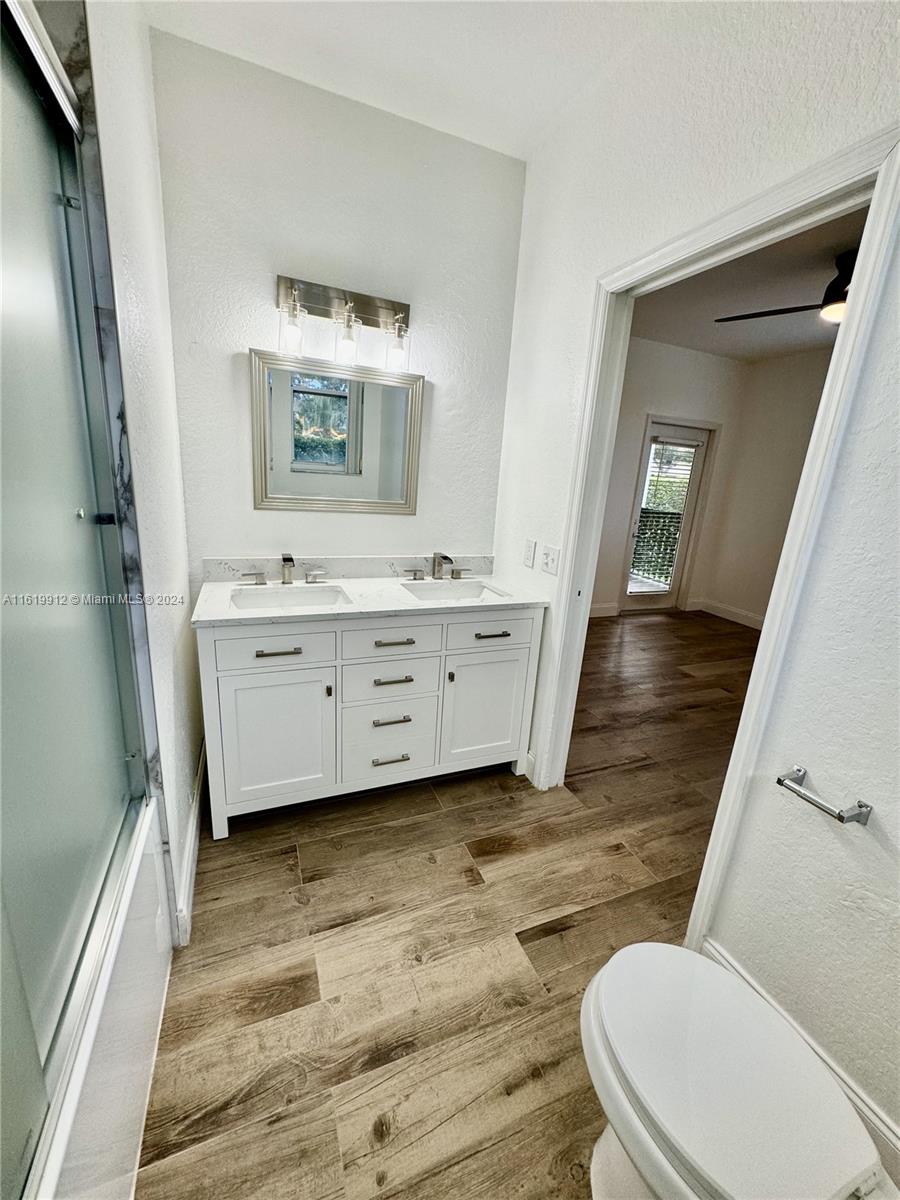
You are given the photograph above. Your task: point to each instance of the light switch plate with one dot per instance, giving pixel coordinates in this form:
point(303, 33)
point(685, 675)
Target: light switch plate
point(530, 551)
point(550, 559)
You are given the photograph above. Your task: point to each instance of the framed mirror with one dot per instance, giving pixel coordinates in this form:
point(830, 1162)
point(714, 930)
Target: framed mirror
point(334, 437)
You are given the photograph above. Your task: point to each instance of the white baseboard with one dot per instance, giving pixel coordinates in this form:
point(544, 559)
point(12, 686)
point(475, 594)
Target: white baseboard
point(884, 1132)
point(191, 850)
point(604, 610)
point(726, 611)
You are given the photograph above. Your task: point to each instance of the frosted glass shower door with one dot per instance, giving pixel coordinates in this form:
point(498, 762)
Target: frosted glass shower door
point(65, 778)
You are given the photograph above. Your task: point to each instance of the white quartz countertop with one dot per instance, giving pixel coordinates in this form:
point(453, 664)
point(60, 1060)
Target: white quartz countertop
point(236, 604)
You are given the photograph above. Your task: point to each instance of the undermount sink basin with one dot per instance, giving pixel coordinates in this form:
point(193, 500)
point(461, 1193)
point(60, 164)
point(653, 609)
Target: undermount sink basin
point(453, 589)
point(288, 595)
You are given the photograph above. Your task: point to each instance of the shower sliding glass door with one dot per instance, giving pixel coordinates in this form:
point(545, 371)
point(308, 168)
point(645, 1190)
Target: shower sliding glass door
point(665, 502)
point(69, 751)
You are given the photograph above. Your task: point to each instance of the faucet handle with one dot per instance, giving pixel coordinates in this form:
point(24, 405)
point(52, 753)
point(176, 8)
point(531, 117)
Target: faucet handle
point(416, 572)
point(458, 572)
point(315, 576)
point(258, 577)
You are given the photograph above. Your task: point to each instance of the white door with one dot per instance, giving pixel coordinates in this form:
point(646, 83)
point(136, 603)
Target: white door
point(483, 699)
point(665, 500)
point(278, 733)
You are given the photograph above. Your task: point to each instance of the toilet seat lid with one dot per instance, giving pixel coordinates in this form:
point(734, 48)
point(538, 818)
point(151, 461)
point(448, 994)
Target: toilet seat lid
point(733, 1096)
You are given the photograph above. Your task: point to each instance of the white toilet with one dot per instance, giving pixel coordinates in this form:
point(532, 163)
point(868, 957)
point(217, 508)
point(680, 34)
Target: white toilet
point(710, 1093)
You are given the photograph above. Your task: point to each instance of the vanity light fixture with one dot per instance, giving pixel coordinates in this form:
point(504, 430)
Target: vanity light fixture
point(346, 336)
point(291, 324)
point(396, 345)
point(306, 310)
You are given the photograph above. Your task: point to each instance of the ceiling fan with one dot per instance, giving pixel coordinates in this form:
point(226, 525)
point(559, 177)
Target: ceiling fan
point(834, 301)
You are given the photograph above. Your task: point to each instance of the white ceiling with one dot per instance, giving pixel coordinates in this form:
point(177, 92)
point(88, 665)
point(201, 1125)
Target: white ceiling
point(495, 72)
point(794, 271)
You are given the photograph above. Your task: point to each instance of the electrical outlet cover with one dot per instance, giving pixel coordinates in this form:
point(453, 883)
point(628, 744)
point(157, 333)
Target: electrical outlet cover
point(550, 559)
point(530, 551)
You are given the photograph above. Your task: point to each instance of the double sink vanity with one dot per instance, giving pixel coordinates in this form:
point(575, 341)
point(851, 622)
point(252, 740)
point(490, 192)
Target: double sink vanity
point(321, 688)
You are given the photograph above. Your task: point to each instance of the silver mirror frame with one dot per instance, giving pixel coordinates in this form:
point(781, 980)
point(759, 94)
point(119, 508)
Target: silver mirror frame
point(262, 361)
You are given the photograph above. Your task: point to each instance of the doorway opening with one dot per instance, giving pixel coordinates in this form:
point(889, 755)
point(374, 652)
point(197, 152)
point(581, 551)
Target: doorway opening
point(712, 433)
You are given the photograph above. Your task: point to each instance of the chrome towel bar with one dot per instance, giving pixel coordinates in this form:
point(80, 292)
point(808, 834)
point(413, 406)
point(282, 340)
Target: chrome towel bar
point(793, 780)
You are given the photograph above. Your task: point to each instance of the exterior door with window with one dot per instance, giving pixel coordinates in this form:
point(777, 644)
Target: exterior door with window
point(668, 483)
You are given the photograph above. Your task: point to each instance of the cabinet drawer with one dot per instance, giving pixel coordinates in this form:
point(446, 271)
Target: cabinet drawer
point(390, 679)
point(376, 726)
point(372, 643)
point(282, 650)
point(483, 635)
point(362, 762)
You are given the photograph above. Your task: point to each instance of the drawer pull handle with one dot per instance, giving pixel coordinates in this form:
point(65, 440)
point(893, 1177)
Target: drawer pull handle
point(386, 762)
point(402, 642)
point(483, 636)
point(278, 653)
point(379, 721)
point(387, 682)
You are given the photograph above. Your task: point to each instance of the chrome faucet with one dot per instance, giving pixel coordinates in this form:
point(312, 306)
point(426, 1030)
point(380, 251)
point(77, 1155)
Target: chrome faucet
point(438, 562)
point(287, 568)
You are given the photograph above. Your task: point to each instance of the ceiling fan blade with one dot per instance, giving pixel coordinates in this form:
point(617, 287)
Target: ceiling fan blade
point(768, 312)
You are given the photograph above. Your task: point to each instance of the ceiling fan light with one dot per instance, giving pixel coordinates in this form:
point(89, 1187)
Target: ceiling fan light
point(834, 302)
point(833, 313)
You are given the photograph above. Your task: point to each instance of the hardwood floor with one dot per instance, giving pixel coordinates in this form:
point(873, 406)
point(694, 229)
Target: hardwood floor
point(381, 994)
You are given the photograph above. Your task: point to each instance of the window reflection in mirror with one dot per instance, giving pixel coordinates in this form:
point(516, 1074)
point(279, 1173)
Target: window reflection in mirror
point(334, 437)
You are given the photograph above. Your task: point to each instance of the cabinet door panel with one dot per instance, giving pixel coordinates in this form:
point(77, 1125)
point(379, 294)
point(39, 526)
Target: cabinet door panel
point(278, 733)
point(483, 699)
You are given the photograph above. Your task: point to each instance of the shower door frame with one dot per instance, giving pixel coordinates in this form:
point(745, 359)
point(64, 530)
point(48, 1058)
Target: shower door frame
point(66, 1064)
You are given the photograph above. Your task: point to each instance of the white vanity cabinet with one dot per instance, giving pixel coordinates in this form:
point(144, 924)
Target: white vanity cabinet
point(308, 709)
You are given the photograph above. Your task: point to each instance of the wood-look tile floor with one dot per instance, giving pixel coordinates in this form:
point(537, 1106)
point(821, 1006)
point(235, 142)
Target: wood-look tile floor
point(381, 994)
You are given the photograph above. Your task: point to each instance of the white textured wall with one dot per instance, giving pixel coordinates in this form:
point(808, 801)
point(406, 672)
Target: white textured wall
point(703, 114)
point(264, 175)
point(678, 384)
point(747, 518)
point(765, 412)
point(810, 906)
point(123, 88)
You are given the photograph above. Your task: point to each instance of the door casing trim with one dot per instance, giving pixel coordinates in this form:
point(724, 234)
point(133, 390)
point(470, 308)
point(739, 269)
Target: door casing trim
point(865, 173)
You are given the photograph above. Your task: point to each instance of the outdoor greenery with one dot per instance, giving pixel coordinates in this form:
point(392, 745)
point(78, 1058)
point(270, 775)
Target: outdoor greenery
point(656, 544)
point(320, 427)
point(666, 495)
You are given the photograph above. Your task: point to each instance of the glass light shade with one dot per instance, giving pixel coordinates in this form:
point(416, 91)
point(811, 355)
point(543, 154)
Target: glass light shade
point(292, 323)
point(396, 348)
point(346, 339)
point(834, 313)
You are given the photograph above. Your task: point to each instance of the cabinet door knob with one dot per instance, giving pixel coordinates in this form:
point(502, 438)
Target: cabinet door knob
point(451, 675)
